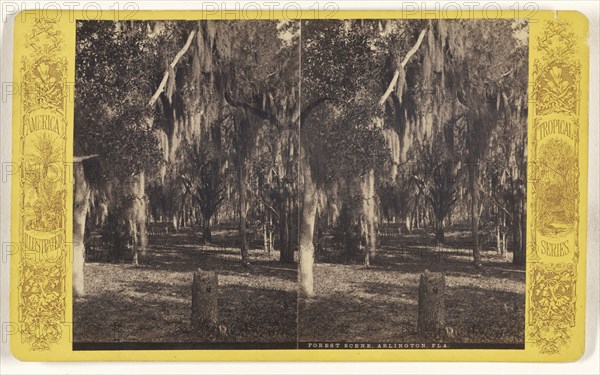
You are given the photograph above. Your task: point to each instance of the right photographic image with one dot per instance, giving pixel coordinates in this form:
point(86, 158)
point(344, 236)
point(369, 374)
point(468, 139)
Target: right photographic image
point(413, 179)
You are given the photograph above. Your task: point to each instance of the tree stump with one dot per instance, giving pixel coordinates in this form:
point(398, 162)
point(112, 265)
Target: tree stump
point(432, 304)
point(205, 307)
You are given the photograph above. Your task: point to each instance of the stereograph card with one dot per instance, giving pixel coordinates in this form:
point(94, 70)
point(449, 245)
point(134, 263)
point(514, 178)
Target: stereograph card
point(334, 186)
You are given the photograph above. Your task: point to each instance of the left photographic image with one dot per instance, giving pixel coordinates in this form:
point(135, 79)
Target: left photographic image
point(185, 184)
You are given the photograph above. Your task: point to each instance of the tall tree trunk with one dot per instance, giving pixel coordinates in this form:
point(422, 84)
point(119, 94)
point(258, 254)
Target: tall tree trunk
point(285, 255)
point(504, 244)
point(417, 217)
point(319, 229)
point(368, 191)
point(138, 217)
point(241, 175)
point(206, 230)
point(307, 225)
point(474, 190)
point(143, 215)
point(182, 222)
point(175, 222)
point(498, 236)
point(519, 241)
point(80, 211)
point(290, 227)
point(439, 230)
point(270, 231)
point(265, 230)
point(503, 236)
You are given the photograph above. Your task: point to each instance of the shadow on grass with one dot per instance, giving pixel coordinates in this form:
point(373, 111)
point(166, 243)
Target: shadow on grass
point(183, 255)
point(348, 318)
point(161, 313)
point(396, 262)
point(389, 314)
point(152, 302)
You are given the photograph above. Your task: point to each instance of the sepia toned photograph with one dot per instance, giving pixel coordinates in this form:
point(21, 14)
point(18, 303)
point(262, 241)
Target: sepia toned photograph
point(186, 184)
point(414, 165)
point(300, 184)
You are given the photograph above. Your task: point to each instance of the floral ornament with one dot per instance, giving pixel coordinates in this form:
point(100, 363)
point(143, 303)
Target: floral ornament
point(550, 338)
point(42, 304)
point(45, 38)
point(552, 306)
point(46, 86)
point(44, 208)
point(557, 93)
point(558, 40)
point(44, 77)
point(557, 84)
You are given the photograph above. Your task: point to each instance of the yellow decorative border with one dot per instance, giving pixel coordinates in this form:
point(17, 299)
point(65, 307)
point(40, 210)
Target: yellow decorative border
point(554, 181)
point(41, 287)
point(42, 184)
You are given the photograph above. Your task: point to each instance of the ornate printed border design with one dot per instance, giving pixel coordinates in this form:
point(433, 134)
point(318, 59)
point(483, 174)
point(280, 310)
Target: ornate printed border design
point(43, 219)
point(554, 180)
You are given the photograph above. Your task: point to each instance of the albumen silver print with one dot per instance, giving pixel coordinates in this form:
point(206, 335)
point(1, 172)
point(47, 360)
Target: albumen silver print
point(300, 184)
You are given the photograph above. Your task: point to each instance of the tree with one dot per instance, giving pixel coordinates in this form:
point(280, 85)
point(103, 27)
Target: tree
point(203, 181)
point(351, 140)
point(274, 184)
point(258, 80)
point(436, 177)
point(479, 73)
point(117, 71)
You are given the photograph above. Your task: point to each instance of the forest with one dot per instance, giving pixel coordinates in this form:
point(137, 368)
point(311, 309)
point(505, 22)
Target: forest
point(317, 167)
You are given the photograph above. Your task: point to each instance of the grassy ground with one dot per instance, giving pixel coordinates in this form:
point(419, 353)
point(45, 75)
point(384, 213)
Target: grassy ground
point(152, 302)
point(380, 303)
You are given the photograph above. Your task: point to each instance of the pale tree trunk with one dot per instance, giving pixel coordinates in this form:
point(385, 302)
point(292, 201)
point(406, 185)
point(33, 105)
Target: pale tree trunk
point(138, 216)
point(175, 222)
point(417, 217)
point(368, 207)
point(503, 235)
point(80, 210)
point(307, 226)
point(265, 235)
point(363, 234)
point(142, 215)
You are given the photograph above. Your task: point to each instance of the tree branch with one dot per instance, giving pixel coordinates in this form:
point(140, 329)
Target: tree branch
point(187, 184)
point(495, 201)
point(163, 83)
point(257, 111)
point(263, 200)
point(79, 159)
point(309, 108)
point(410, 53)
